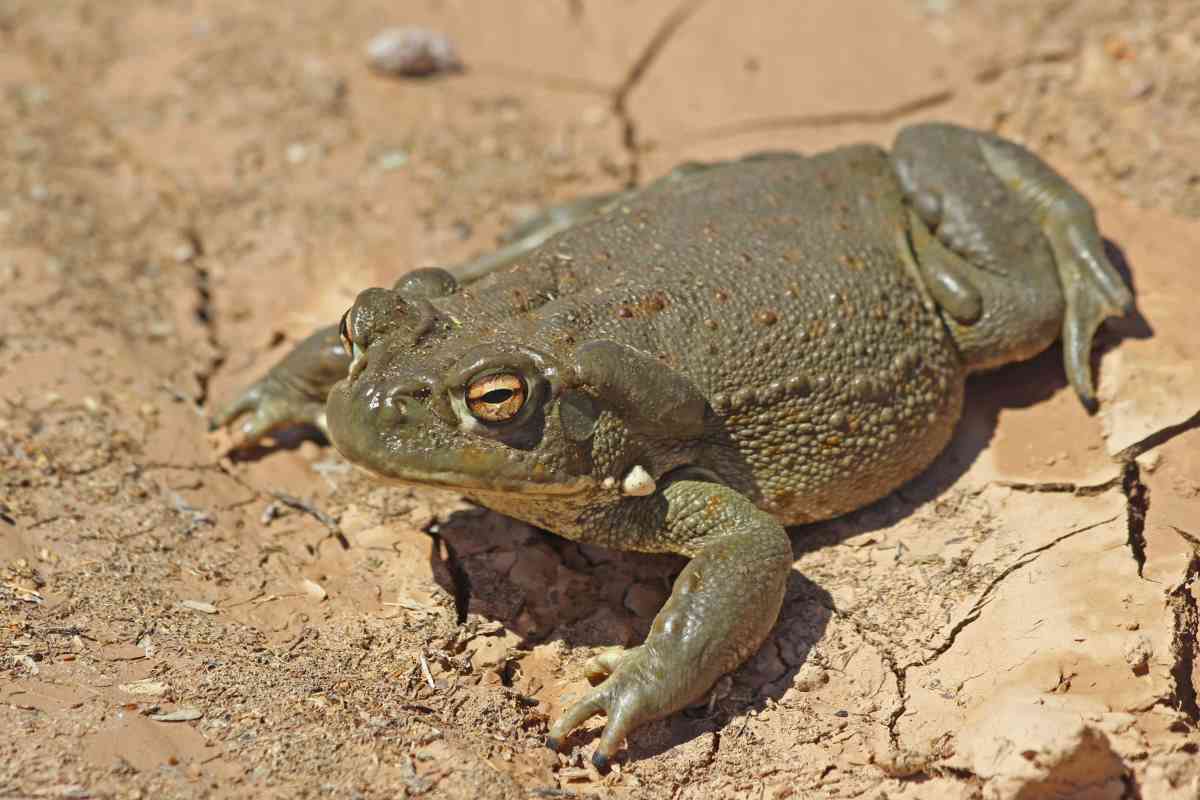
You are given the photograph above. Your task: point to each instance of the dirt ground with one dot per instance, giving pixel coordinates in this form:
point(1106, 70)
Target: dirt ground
point(188, 186)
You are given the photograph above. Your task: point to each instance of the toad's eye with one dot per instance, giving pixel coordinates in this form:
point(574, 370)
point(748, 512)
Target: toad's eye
point(496, 398)
point(344, 331)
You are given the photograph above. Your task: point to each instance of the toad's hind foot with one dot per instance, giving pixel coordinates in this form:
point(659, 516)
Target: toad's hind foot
point(1015, 259)
point(1092, 287)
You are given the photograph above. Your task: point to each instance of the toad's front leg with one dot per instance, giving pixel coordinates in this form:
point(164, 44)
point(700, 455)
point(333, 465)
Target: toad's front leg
point(720, 610)
point(292, 392)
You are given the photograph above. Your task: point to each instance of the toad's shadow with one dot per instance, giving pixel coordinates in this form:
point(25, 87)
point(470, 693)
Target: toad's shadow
point(807, 607)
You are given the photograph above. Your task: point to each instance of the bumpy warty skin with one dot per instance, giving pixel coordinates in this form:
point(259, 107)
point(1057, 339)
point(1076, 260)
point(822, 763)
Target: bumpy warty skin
point(778, 287)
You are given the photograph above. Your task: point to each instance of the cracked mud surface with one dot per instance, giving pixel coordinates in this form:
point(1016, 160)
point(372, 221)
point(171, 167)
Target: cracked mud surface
point(188, 186)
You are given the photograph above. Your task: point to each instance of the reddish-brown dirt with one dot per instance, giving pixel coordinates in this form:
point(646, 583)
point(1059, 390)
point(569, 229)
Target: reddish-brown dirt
point(188, 186)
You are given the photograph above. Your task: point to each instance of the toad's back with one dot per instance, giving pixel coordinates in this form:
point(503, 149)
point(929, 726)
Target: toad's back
point(779, 286)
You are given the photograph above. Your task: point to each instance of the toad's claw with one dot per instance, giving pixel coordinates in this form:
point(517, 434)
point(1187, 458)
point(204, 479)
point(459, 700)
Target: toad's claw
point(637, 691)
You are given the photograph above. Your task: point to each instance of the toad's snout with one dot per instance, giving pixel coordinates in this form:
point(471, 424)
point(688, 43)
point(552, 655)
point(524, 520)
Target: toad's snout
point(366, 415)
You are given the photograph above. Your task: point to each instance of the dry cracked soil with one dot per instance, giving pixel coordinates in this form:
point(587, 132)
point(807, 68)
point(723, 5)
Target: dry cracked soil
point(188, 186)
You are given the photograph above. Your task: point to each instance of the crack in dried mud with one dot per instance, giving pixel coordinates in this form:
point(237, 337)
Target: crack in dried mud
point(1159, 437)
point(1185, 642)
point(1063, 487)
point(900, 672)
point(901, 676)
point(1137, 503)
point(864, 116)
point(205, 312)
point(1026, 558)
point(620, 102)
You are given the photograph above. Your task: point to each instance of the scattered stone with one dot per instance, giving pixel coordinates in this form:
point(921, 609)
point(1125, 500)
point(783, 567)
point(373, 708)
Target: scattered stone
point(412, 52)
point(296, 153)
point(426, 673)
point(160, 330)
point(146, 686)
point(273, 511)
point(179, 715)
point(184, 252)
point(198, 605)
point(392, 160)
point(314, 589)
point(810, 677)
point(1138, 654)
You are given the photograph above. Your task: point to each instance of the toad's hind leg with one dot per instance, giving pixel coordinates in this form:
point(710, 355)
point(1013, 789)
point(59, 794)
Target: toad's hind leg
point(1016, 259)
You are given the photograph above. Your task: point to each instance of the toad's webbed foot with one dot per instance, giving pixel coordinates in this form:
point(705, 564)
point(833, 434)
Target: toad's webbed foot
point(1008, 249)
point(722, 606)
point(292, 392)
point(1092, 287)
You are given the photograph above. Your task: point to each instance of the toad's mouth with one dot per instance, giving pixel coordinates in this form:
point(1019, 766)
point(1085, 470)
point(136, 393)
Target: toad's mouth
point(395, 451)
point(472, 483)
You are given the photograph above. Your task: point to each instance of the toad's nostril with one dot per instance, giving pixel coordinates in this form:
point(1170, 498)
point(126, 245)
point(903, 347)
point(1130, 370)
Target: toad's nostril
point(393, 407)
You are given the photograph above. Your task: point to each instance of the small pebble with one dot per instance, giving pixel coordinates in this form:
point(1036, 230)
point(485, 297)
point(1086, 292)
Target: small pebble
point(296, 153)
point(412, 52)
point(160, 329)
point(391, 160)
point(36, 95)
point(182, 715)
point(145, 686)
point(199, 605)
point(184, 252)
point(314, 589)
point(271, 512)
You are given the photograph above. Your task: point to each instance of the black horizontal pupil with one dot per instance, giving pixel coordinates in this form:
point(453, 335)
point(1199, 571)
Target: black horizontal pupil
point(497, 396)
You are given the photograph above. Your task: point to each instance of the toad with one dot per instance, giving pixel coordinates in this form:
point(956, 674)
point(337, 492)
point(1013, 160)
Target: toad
point(692, 366)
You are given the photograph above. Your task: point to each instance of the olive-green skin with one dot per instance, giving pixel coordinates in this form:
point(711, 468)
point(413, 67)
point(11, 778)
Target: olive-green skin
point(737, 347)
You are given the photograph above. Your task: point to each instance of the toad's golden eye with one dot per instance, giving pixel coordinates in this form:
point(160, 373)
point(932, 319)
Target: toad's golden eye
point(496, 398)
point(344, 331)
